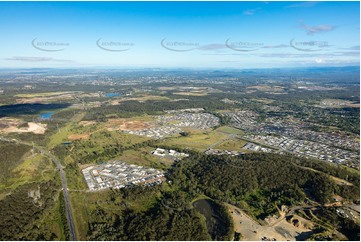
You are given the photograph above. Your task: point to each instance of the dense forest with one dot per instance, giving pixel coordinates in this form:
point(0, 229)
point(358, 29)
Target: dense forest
point(260, 180)
point(23, 210)
point(171, 217)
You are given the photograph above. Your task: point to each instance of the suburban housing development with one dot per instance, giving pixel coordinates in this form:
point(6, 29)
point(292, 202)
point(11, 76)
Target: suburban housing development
point(117, 174)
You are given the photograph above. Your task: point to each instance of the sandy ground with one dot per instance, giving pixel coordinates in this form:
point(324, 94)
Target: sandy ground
point(10, 125)
point(123, 124)
point(72, 137)
point(87, 123)
point(36, 128)
point(8, 122)
point(253, 231)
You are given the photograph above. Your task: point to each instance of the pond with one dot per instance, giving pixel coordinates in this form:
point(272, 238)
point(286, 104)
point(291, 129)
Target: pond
point(112, 94)
point(46, 116)
point(217, 224)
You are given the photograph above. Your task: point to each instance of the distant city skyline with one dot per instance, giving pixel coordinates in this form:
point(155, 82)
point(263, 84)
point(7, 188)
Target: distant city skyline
point(179, 34)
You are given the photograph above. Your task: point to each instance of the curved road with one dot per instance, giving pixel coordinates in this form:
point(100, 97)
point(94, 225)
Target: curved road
point(64, 184)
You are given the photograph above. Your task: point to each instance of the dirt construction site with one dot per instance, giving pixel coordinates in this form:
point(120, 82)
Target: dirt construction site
point(12, 125)
point(293, 228)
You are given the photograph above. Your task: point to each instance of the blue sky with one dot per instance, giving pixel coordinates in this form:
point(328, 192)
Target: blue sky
point(179, 34)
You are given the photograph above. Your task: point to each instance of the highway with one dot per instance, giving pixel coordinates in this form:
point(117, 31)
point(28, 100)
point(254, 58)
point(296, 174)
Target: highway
point(64, 184)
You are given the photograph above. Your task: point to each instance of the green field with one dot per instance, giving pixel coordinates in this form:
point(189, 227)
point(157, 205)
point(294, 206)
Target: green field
point(81, 203)
point(230, 130)
point(232, 144)
point(198, 140)
point(144, 157)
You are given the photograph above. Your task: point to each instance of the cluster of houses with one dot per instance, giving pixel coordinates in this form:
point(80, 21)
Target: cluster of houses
point(296, 137)
point(169, 153)
point(117, 174)
point(170, 125)
point(223, 152)
point(300, 130)
point(157, 133)
point(307, 148)
point(192, 120)
point(244, 119)
point(255, 147)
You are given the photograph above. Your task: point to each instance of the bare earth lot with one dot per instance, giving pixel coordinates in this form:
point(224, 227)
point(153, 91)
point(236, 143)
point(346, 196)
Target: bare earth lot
point(253, 231)
point(72, 137)
point(126, 124)
point(11, 125)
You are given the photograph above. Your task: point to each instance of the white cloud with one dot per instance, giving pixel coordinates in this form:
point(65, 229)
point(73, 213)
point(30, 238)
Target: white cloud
point(251, 11)
point(319, 61)
point(35, 59)
point(310, 30)
point(302, 5)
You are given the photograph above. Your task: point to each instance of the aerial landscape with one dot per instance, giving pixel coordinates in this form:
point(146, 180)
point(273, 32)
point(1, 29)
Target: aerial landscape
point(177, 127)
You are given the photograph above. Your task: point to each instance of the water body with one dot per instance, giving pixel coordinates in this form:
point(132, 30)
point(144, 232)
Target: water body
point(29, 108)
point(216, 224)
point(112, 94)
point(46, 116)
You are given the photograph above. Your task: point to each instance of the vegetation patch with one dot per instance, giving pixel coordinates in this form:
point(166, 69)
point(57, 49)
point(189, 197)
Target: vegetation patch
point(21, 217)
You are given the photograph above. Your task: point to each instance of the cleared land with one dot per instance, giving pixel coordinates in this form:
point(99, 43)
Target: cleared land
point(144, 157)
point(12, 125)
point(42, 94)
point(197, 94)
point(337, 103)
point(267, 88)
point(253, 231)
point(73, 137)
point(139, 99)
point(230, 130)
point(126, 124)
point(44, 97)
point(233, 144)
point(87, 123)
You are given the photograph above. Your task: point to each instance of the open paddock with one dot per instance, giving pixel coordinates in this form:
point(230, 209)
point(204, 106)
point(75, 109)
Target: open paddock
point(127, 124)
point(73, 137)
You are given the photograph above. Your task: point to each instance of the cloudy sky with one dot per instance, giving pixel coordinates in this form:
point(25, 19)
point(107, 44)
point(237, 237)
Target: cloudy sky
point(179, 34)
